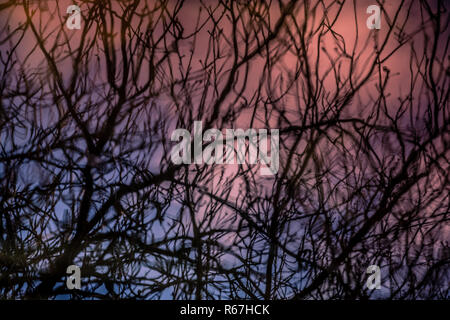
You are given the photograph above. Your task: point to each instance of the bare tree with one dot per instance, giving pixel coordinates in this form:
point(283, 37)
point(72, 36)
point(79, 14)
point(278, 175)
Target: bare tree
point(86, 176)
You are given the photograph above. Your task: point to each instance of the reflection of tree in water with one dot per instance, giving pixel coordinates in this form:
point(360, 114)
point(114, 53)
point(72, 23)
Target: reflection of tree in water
point(86, 178)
